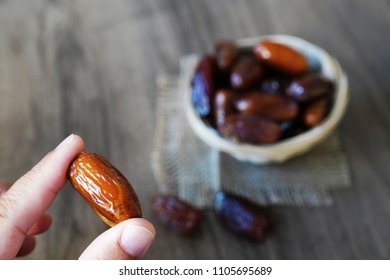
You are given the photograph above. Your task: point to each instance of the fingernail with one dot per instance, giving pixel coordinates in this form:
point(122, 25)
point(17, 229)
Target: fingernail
point(135, 240)
point(66, 141)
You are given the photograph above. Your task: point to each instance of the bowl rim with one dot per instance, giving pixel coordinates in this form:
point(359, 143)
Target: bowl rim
point(311, 137)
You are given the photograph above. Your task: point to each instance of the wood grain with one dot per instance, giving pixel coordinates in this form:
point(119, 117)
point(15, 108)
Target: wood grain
point(89, 67)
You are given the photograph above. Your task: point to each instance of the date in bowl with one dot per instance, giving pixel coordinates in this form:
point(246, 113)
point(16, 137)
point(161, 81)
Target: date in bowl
point(204, 117)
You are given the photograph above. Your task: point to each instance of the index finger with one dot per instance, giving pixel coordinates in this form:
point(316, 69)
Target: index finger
point(26, 201)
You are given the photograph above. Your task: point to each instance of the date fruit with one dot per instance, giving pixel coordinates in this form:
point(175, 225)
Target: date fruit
point(250, 129)
point(104, 187)
point(203, 86)
point(242, 216)
point(176, 214)
point(226, 53)
point(291, 128)
point(271, 106)
point(274, 85)
point(246, 73)
point(224, 105)
point(316, 112)
point(281, 57)
point(309, 88)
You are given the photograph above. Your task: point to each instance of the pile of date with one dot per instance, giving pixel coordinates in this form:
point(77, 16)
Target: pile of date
point(256, 95)
point(261, 94)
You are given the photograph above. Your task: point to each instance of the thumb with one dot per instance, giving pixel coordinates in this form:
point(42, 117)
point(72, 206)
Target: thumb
point(126, 241)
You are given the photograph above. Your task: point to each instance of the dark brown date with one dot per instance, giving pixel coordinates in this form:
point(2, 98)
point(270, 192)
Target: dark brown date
point(250, 129)
point(246, 73)
point(281, 57)
point(275, 107)
point(224, 105)
point(242, 216)
point(316, 112)
point(310, 87)
point(226, 54)
point(274, 85)
point(176, 214)
point(291, 128)
point(203, 86)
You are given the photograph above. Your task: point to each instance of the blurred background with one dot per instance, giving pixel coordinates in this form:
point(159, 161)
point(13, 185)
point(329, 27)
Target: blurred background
point(89, 67)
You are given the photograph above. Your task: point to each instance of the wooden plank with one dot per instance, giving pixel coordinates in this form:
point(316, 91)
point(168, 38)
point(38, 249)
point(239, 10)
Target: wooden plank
point(89, 67)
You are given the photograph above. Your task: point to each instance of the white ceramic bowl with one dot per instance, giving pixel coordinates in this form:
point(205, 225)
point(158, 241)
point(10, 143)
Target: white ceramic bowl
point(288, 148)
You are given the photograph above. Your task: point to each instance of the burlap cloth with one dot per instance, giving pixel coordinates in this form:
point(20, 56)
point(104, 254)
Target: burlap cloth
point(183, 165)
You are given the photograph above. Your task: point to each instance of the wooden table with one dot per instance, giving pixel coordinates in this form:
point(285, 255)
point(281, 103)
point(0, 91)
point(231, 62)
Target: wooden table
point(89, 67)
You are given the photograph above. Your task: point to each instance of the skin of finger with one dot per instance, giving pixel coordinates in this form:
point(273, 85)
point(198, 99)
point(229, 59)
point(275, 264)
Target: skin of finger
point(25, 202)
point(107, 245)
point(42, 225)
point(27, 247)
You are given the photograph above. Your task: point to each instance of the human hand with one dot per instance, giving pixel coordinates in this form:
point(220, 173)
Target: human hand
point(23, 206)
